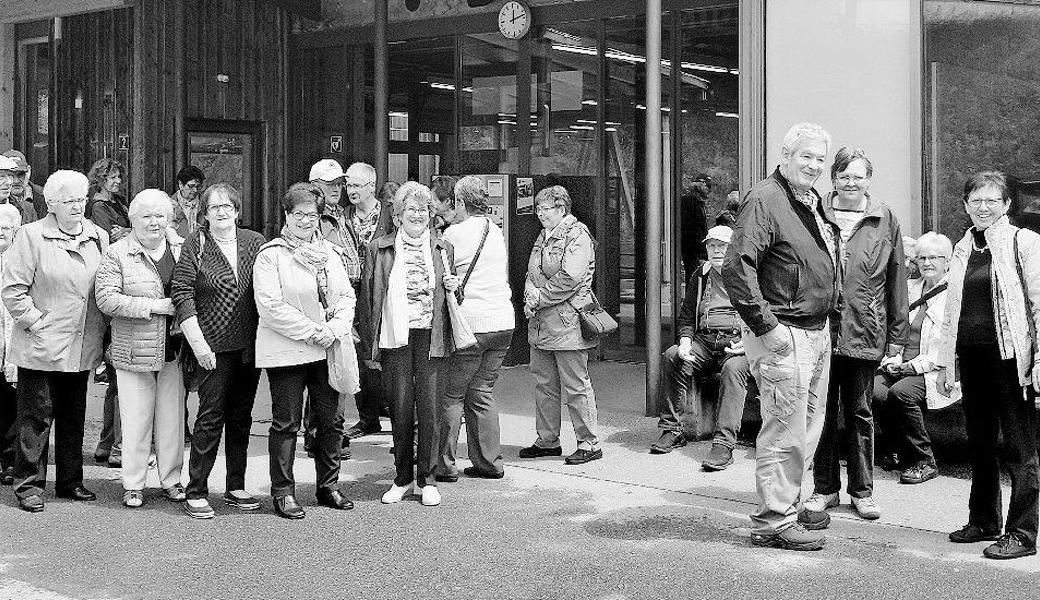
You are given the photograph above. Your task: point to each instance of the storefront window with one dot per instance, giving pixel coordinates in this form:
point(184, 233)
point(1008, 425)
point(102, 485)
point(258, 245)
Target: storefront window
point(488, 104)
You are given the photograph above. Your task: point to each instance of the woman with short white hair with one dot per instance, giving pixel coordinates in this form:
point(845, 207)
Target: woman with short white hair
point(133, 287)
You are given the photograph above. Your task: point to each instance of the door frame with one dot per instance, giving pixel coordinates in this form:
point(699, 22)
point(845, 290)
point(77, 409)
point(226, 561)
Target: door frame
point(262, 215)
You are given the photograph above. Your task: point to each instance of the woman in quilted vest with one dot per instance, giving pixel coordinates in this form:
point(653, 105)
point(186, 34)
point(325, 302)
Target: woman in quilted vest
point(133, 287)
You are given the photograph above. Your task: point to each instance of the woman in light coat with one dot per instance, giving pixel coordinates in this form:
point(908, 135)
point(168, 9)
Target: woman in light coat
point(988, 334)
point(559, 278)
point(306, 304)
point(133, 287)
point(901, 388)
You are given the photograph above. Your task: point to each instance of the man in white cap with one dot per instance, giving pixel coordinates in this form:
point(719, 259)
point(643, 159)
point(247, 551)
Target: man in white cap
point(24, 189)
point(709, 342)
point(12, 188)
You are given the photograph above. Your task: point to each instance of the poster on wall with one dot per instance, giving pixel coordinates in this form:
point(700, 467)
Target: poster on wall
point(43, 111)
point(524, 196)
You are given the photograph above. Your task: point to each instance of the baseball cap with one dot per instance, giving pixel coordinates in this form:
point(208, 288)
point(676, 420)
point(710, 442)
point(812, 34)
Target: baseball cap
point(21, 165)
point(326, 170)
point(8, 164)
point(720, 233)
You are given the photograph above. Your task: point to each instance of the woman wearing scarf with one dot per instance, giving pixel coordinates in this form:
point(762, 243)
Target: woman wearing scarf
point(306, 304)
point(405, 279)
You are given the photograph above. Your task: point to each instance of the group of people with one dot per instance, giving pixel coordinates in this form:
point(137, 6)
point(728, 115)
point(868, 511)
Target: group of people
point(400, 300)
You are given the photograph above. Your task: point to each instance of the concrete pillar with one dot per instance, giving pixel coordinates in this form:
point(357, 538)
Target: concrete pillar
point(382, 84)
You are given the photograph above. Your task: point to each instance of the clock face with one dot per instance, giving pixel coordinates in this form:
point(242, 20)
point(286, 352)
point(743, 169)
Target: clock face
point(514, 20)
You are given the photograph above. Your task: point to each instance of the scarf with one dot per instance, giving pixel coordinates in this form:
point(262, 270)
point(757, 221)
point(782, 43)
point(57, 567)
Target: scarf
point(312, 256)
point(351, 256)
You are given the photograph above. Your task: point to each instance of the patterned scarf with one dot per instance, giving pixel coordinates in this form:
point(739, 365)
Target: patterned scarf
point(312, 256)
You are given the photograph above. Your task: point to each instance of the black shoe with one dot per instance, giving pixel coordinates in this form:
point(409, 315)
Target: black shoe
point(814, 520)
point(287, 507)
point(449, 478)
point(794, 537)
point(77, 493)
point(101, 454)
point(33, 504)
point(539, 452)
point(247, 502)
point(718, 458)
point(581, 457)
point(919, 473)
point(669, 440)
point(361, 429)
point(344, 453)
point(333, 499)
point(1009, 545)
point(889, 461)
point(7, 476)
point(115, 461)
point(969, 534)
point(475, 472)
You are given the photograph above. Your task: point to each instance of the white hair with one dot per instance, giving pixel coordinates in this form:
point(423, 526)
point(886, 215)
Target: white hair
point(936, 240)
point(150, 195)
point(362, 170)
point(9, 213)
point(802, 132)
point(65, 184)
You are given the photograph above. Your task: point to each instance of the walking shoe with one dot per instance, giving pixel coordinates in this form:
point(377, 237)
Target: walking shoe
point(133, 498)
point(866, 508)
point(241, 499)
point(175, 493)
point(361, 429)
point(333, 499)
point(33, 504)
point(115, 460)
point(198, 508)
point(821, 502)
point(581, 457)
point(919, 473)
point(888, 461)
point(1009, 545)
point(969, 534)
point(479, 474)
point(794, 537)
point(396, 493)
point(535, 451)
point(288, 507)
point(448, 478)
point(430, 495)
point(669, 440)
point(719, 457)
point(77, 493)
point(814, 520)
point(7, 476)
point(101, 454)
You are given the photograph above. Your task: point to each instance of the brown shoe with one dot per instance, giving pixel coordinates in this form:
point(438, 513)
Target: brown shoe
point(794, 537)
point(719, 457)
point(669, 440)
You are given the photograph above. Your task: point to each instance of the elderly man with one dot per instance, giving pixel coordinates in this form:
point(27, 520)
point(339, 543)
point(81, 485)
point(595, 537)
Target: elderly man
point(443, 188)
point(10, 220)
point(48, 285)
point(781, 275)
point(25, 190)
point(186, 200)
point(709, 342)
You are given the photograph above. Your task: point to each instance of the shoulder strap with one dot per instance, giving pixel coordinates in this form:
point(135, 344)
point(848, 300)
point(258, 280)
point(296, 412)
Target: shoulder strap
point(476, 255)
point(935, 291)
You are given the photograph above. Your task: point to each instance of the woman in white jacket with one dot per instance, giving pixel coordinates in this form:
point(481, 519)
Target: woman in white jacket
point(902, 387)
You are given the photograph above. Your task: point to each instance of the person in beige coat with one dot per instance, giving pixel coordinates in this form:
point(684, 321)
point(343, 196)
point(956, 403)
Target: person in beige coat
point(48, 286)
point(133, 287)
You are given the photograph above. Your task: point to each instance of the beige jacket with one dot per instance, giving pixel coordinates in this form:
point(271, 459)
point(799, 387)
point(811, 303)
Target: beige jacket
point(48, 285)
point(127, 285)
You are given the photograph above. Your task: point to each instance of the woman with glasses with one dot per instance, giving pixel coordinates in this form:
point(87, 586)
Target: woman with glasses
point(48, 287)
point(213, 293)
point(870, 324)
point(901, 388)
point(989, 338)
point(306, 304)
point(559, 278)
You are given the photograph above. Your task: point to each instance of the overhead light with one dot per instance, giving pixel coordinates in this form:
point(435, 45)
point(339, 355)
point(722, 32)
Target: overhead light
point(589, 102)
point(731, 115)
point(610, 129)
point(583, 127)
point(395, 113)
point(504, 122)
point(442, 86)
point(586, 121)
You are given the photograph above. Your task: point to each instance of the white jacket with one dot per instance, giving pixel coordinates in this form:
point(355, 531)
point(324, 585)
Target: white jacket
point(931, 339)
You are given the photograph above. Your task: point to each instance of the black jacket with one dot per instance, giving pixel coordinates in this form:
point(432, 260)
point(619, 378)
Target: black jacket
point(689, 313)
point(872, 310)
point(778, 269)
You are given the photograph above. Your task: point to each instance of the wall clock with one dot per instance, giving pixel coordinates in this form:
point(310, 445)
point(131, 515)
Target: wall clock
point(514, 19)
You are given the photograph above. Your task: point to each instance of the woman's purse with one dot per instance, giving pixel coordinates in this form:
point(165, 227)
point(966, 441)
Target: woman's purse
point(595, 321)
point(461, 334)
point(342, 361)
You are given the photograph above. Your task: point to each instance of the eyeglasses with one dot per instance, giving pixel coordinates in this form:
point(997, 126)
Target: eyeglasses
point(416, 210)
point(989, 202)
point(299, 215)
point(850, 178)
point(544, 209)
point(73, 201)
point(193, 185)
point(215, 208)
point(933, 259)
point(358, 186)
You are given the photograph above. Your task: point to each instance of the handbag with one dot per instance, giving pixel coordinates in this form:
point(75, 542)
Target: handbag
point(343, 366)
point(595, 321)
point(461, 334)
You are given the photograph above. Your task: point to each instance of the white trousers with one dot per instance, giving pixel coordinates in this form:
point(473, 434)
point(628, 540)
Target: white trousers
point(151, 406)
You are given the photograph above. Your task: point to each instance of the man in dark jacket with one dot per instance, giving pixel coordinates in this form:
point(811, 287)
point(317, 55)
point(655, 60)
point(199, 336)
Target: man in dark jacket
point(781, 275)
point(709, 342)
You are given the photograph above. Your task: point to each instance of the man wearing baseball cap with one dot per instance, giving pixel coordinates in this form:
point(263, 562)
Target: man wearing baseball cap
point(709, 342)
point(12, 164)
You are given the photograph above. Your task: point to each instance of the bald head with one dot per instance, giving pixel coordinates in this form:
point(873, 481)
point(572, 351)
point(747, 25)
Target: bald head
point(361, 184)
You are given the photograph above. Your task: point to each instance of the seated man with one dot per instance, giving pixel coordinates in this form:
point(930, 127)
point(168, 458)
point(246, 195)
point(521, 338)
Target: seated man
point(709, 342)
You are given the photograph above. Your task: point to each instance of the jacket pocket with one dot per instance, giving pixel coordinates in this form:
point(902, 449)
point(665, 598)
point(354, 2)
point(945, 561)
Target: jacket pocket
point(777, 387)
point(787, 282)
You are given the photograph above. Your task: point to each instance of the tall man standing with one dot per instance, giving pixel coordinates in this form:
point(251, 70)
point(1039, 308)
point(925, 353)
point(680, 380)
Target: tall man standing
point(781, 276)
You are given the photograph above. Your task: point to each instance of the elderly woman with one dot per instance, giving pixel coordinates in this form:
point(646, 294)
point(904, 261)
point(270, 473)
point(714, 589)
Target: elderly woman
point(133, 287)
point(306, 304)
point(559, 278)
point(989, 334)
point(901, 388)
point(470, 373)
point(48, 286)
point(870, 323)
point(213, 293)
point(406, 279)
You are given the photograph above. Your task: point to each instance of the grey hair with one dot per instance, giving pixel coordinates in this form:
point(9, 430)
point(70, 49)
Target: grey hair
point(801, 132)
point(415, 191)
point(147, 196)
point(65, 184)
point(8, 211)
point(471, 191)
point(942, 242)
point(360, 169)
point(557, 194)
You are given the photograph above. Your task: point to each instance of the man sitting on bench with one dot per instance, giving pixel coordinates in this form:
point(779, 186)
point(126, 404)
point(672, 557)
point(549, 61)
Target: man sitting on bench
point(709, 342)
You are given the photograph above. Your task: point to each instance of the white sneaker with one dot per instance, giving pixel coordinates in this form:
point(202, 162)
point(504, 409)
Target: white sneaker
point(867, 508)
point(430, 495)
point(821, 502)
point(396, 493)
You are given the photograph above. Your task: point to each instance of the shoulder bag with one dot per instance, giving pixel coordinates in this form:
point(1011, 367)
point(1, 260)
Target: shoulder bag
point(461, 334)
point(459, 293)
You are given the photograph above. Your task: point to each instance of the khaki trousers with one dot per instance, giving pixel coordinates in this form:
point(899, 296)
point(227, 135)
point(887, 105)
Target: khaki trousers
point(563, 376)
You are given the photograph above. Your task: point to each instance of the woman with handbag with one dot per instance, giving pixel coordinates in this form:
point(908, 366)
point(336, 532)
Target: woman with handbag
point(486, 306)
point(306, 306)
point(559, 282)
point(407, 278)
point(989, 335)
